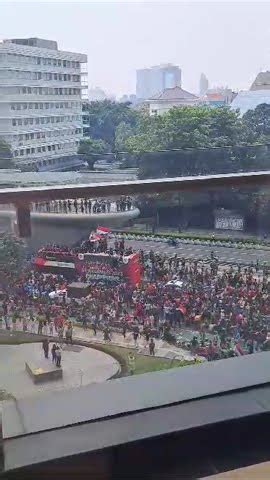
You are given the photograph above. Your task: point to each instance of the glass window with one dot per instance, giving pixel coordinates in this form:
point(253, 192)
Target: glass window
point(55, 76)
point(13, 122)
point(59, 63)
point(55, 62)
point(30, 106)
point(24, 106)
point(12, 106)
point(20, 121)
point(49, 148)
point(47, 106)
point(21, 153)
point(24, 90)
point(68, 63)
point(39, 149)
point(40, 91)
point(43, 149)
point(39, 61)
point(41, 106)
point(32, 136)
point(28, 151)
point(42, 120)
point(37, 121)
point(53, 147)
point(32, 150)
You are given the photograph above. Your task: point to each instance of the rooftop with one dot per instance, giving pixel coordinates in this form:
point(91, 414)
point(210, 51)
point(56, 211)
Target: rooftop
point(261, 82)
point(175, 93)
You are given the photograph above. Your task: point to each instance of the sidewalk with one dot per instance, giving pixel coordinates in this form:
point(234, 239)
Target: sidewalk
point(163, 349)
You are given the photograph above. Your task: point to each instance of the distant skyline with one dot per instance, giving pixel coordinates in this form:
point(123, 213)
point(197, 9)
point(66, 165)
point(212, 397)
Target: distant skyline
point(228, 41)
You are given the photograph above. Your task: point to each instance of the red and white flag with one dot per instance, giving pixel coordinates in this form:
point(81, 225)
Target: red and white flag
point(103, 230)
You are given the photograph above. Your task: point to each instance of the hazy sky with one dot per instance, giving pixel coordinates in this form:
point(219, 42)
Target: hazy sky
point(228, 41)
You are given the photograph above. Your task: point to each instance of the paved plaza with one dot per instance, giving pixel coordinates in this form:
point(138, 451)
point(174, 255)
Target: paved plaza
point(81, 366)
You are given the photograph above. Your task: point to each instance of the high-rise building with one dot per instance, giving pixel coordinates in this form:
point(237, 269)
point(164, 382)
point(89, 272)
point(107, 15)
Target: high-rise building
point(204, 84)
point(151, 81)
point(41, 101)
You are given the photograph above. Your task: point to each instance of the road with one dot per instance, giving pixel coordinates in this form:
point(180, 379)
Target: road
point(224, 254)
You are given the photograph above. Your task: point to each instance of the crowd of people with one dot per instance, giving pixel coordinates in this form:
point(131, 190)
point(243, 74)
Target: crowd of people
point(226, 309)
point(85, 205)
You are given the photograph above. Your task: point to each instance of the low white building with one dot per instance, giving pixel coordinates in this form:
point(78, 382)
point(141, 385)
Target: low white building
point(169, 98)
point(250, 99)
point(41, 101)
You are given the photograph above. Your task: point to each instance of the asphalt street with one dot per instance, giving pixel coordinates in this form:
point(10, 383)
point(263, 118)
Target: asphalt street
point(224, 254)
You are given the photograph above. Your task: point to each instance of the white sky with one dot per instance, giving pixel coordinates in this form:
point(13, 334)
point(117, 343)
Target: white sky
point(228, 41)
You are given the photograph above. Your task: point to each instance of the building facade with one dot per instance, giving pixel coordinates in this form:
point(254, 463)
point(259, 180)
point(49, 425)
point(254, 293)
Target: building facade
point(151, 81)
point(41, 91)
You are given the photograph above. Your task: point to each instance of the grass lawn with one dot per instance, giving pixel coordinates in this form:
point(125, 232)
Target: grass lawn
point(143, 363)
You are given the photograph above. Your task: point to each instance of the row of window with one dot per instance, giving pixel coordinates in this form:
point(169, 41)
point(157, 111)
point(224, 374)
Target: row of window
point(12, 90)
point(49, 91)
point(44, 149)
point(44, 120)
point(45, 135)
point(61, 77)
point(45, 106)
point(40, 61)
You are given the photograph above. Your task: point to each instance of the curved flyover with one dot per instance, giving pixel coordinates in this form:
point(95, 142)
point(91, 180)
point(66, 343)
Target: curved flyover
point(67, 228)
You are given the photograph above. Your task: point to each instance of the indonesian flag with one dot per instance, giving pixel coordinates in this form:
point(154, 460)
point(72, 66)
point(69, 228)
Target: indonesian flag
point(103, 230)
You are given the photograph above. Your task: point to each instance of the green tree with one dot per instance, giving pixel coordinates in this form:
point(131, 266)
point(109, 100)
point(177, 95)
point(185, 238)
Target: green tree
point(12, 256)
point(90, 148)
point(104, 118)
point(91, 145)
point(6, 157)
point(257, 123)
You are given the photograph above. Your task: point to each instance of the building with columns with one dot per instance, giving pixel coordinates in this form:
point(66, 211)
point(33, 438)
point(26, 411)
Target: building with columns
point(41, 92)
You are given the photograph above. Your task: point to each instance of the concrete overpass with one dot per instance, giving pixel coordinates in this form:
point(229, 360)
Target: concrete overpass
point(64, 228)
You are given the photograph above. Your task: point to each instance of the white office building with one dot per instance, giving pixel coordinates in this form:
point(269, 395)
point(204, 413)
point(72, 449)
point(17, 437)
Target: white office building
point(41, 92)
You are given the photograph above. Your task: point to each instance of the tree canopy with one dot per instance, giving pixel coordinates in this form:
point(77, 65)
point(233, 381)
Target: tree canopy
point(186, 127)
point(104, 118)
point(6, 157)
point(257, 122)
point(12, 256)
